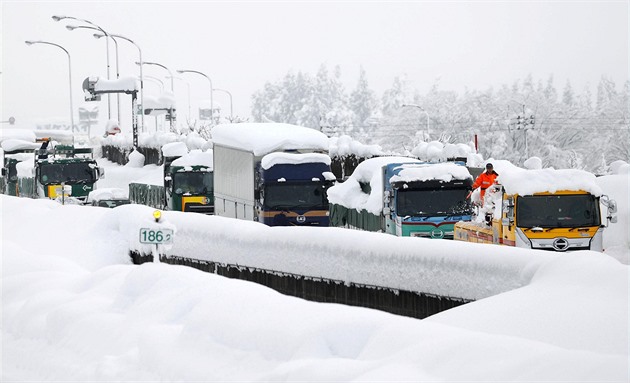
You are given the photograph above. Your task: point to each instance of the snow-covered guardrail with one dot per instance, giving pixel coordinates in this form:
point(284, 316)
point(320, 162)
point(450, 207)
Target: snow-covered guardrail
point(460, 270)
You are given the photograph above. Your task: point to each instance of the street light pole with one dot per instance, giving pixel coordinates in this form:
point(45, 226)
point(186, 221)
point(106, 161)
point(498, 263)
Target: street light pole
point(69, 78)
point(73, 27)
point(211, 89)
point(115, 36)
point(188, 88)
point(58, 18)
point(229, 94)
point(141, 63)
point(421, 109)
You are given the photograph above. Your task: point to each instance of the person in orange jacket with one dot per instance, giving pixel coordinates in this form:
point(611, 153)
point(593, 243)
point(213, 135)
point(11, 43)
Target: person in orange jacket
point(485, 180)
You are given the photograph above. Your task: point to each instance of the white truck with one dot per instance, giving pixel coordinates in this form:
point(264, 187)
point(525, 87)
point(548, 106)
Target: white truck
point(273, 173)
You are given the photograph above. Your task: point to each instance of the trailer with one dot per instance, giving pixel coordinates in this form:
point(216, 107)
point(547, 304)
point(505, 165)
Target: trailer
point(273, 173)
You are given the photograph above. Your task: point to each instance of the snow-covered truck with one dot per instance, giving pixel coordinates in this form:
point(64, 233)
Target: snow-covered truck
point(273, 173)
point(186, 183)
point(55, 171)
point(12, 152)
point(547, 209)
point(404, 197)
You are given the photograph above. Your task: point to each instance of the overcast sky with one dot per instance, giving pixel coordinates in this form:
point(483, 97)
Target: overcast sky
point(242, 45)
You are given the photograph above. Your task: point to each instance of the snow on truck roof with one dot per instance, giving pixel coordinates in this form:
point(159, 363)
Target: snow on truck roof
point(272, 159)
point(516, 180)
point(423, 172)
point(264, 138)
point(195, 158)
point(349, 193)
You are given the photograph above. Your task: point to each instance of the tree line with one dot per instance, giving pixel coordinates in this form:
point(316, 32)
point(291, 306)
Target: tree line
point(566, 129)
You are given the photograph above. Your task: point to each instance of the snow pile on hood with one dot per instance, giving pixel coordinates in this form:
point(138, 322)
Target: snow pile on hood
point(107, 193)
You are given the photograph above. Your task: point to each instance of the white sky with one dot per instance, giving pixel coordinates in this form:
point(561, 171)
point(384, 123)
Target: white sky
point(74, 308)
point(242, 45)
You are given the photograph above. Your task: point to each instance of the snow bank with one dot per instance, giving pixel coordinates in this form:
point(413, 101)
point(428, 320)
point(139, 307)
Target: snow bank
point(264, 138)
point(174, 149)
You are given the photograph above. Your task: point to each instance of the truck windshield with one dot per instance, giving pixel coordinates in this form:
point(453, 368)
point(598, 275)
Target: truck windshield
point(285, 195)
point(429, 203)
point(193, 182)
point(70, 173)
point(551, 211)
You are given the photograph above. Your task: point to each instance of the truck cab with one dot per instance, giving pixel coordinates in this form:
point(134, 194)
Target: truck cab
point(425, 199)
point(293, 193)
point(545, 209)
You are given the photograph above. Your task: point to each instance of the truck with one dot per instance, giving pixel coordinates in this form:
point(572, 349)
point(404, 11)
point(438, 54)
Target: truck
point(403, 197)
point(185, 184)
point(546, 209)
point(274, 173)
point(12, 152)
point(60, 172)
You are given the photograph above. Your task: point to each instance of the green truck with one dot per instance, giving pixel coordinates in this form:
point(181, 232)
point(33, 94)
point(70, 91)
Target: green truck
point(60, 172)
point(186, 183)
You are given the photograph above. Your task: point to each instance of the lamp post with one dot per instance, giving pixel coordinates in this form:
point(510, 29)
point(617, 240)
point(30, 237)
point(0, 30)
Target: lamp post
point(58, 18)
point(141, 63)
point(229, 94)
point(73, 27)
point(188, 88)
point(115, 36)
point(421, 109)
point(69, 77)
point(209, 80)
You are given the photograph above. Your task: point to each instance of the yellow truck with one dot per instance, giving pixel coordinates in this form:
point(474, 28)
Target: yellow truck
point(546, 209)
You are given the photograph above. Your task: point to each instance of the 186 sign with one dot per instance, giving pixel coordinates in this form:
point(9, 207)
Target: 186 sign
point(156, 236)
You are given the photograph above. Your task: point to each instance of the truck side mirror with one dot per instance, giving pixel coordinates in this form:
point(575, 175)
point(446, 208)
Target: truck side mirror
point(257, 194)
point(4, 172)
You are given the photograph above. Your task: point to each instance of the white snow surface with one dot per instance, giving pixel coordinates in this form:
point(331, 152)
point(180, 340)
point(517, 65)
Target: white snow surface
point(345, 145)
point(174, 149)
point(17, 134)
point(107, 193)
point(272, 159)
point(264, 138)
point(75, 308)
point(423, 172)
point(196, 158)
point(12, 144)
point(122, 84)
point(349, 193)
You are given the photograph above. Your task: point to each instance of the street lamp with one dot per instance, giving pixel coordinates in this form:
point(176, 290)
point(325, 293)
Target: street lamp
point(141, 63)
point(69, 77)
point(58, 18)
point(421, 109)
point(229, 94)
point(73, 27)
point(209, 80)
point(188, 87)
point(115, 36)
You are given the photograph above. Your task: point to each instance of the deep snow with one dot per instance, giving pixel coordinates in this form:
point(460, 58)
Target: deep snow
point(75, 308)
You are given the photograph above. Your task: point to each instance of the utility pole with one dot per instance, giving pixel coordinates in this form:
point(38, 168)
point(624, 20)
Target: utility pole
point(523, 122)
